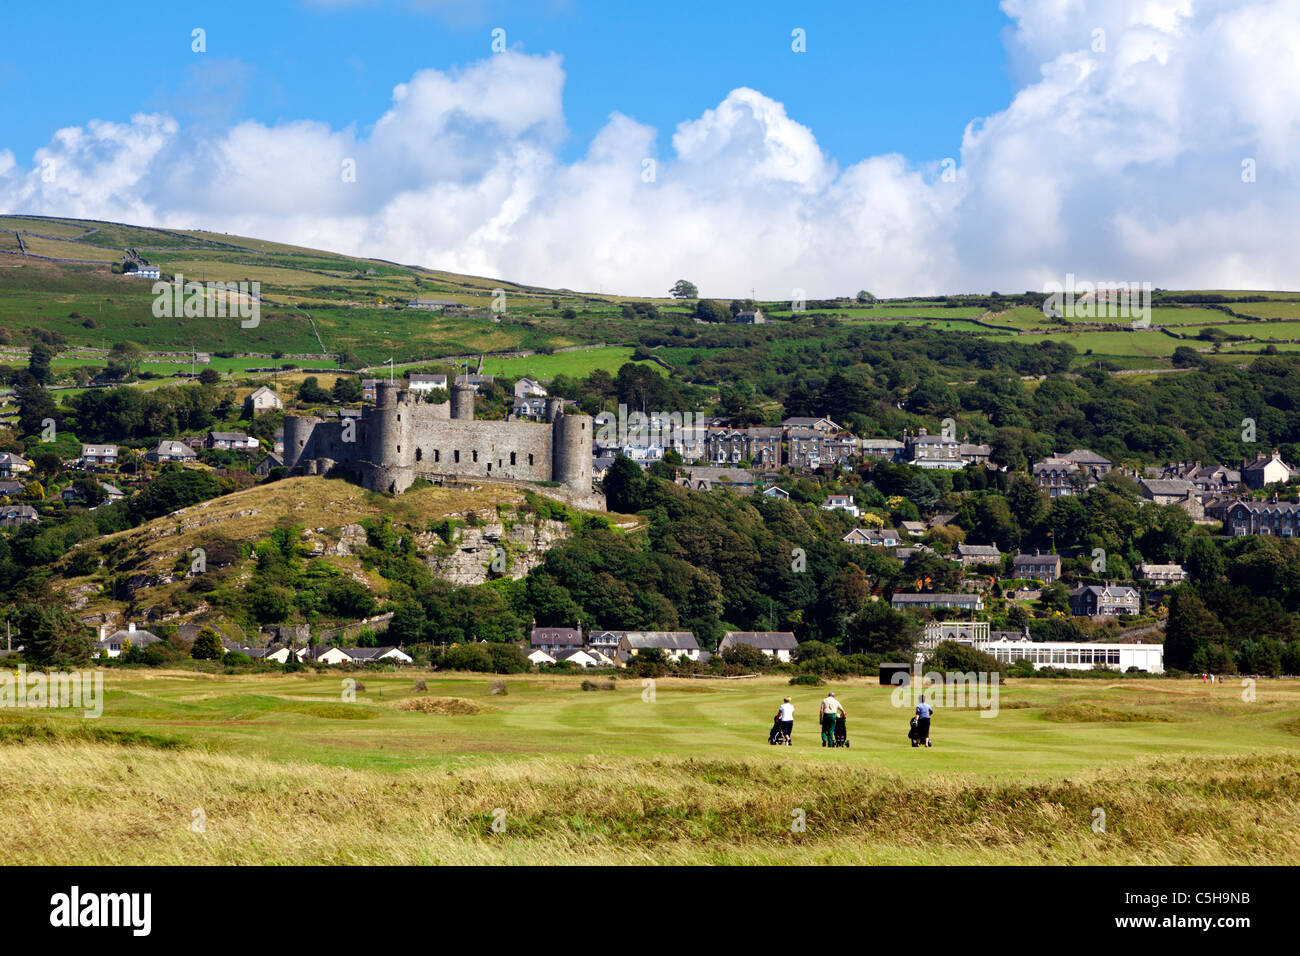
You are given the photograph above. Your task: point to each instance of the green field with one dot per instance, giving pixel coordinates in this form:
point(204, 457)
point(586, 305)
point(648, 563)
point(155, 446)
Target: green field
point(579, 363)
point(285, 770)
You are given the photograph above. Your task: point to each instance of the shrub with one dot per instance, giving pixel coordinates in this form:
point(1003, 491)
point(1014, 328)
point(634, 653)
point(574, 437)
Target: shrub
point(806, 680)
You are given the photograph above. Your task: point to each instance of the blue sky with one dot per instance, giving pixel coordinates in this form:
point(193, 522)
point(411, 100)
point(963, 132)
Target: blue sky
point(876, 78)
point(914, 148)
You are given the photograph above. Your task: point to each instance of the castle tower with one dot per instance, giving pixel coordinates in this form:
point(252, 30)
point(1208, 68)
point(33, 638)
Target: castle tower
point(297, 439)
point(462, 402)
point(571, 451)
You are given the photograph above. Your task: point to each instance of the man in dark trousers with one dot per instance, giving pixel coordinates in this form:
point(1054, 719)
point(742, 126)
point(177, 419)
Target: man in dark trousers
point(923, 714)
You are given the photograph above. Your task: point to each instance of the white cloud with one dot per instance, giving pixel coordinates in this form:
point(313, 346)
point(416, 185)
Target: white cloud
point(1122, 163)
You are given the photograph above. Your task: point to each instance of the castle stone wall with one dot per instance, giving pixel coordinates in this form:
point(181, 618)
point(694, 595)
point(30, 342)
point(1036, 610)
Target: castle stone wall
point(401, 439)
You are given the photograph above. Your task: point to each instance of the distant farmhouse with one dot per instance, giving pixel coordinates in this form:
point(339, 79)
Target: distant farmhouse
point(262, 400)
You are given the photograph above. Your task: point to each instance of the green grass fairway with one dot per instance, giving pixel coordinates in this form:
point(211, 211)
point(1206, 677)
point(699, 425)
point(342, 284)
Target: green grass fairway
point(286, 771)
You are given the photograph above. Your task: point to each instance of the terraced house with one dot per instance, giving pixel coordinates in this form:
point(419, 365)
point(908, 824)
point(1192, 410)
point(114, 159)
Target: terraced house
point(733, 445)
point(1263, 517)
point(933, 451)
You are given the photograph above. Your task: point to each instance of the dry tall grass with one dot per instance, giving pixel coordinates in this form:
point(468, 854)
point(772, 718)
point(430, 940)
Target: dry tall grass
point(96, 803)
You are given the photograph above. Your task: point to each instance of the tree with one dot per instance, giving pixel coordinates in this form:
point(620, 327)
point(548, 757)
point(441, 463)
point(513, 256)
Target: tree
point(879, 629)
point(209, 376)
point(311, 393)
point(1204, 560)
point(347, 388)
point(34, 407)
point(38, 362)
point(1056, 597)
point(684, 290)
point(708, 310)
point(53, 637)
point(745, 656)
point(1189, 631)
point(625, 486)
point(124, 360)
point(207, 646)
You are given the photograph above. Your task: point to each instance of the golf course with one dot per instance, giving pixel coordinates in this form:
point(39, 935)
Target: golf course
point(435, 768)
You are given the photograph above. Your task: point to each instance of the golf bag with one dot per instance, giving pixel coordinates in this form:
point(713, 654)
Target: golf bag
point(776, 735)
point(841, 732)
point(912, 733)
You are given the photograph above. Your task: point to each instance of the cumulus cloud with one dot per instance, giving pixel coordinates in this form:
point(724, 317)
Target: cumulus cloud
point(1120, 157)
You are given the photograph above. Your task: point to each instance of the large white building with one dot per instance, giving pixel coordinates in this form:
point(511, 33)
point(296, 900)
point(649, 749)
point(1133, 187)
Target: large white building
point(1082, 657)
point(1009, 647)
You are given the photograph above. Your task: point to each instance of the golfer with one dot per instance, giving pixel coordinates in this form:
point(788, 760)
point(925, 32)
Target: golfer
point(785, 721)
point(923, 714)
point(830, 711)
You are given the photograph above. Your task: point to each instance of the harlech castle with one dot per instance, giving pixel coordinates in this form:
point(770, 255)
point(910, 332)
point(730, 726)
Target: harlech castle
point(401, 438)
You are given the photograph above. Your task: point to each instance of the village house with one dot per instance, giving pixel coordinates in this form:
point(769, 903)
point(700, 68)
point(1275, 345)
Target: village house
point(1207, 480)
point(824, 425)
point(924, 450)
point(776, 492)
point(230, 441)
point(530, 408)
point(112, 643)
point(431, 305)
point(674, 644)
point(1162, 574)
point(581, 658)
point(268, 463)
point(1056, 476)
point(169, 450)
point(885, 449)
point(973, 454)
point(750, 317)
point(378, 655)
point(425, 383)
point(261, 400)
point(705, 478)
point(93, 456)
point(11, 465)
point(15, 516)
point(780, 645)
point(1110, 600)
point(605, 642)
point(762, 446)
point(1173, 491)
point(555, 640)
point(975, 554)
point(1266, 471)
point(1094, 466)
point(841, 503)
point(873, 537)
point(74, 495)
point(475, 379)
point(1042, 567)
point(529, 388)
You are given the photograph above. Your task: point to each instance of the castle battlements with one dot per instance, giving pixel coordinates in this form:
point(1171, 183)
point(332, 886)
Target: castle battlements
point(401, 438)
